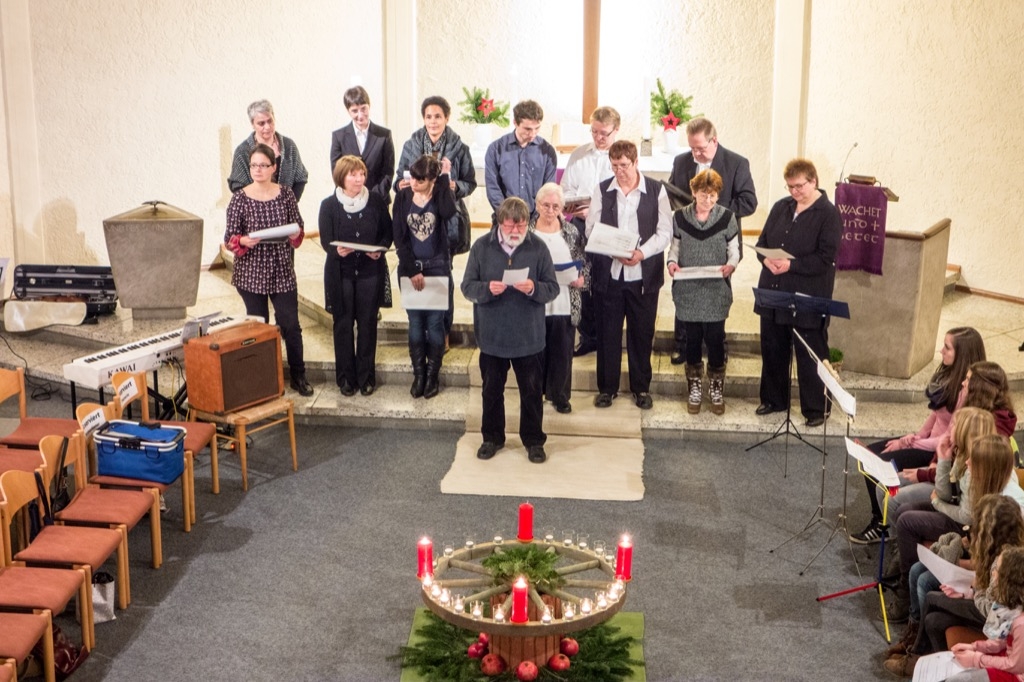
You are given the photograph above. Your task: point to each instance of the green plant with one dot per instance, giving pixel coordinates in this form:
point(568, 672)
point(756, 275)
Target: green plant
point(537, 565)
point(835, 355)
point(669, 109)
point(478, 107)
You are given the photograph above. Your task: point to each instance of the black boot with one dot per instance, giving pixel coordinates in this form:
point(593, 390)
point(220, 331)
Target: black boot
point(434, 355)
point(418, 354)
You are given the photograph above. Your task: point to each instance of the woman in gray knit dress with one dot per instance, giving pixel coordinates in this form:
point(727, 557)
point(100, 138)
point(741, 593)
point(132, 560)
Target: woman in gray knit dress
point(703, 254)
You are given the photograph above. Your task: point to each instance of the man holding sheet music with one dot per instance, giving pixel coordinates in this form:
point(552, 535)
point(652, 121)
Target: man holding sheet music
point(628, 229)
point(587, 166)
point(807, 226)
point(510, 278)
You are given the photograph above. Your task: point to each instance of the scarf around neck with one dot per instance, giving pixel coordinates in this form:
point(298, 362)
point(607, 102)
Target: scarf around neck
point(352, 204)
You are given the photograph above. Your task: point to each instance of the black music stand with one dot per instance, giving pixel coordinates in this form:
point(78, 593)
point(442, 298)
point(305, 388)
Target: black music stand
point(773, 299)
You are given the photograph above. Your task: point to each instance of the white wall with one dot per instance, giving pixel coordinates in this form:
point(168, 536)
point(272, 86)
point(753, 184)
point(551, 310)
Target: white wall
point(147, 100)
point(130, 101)
point(931, 91)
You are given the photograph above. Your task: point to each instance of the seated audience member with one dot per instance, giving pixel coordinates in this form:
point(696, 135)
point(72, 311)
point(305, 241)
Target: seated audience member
point(961, 347)
point(1001, 656)
point(998, 524)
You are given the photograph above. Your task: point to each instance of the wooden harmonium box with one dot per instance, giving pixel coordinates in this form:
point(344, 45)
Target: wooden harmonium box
point(234, 368)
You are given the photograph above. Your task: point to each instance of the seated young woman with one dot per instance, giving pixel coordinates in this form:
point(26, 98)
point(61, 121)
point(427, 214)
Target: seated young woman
point(998, 524)
point(961, 347)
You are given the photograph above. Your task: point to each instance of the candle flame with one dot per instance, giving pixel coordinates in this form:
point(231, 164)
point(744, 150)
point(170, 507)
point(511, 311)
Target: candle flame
point(521, 582)
point(424, 540)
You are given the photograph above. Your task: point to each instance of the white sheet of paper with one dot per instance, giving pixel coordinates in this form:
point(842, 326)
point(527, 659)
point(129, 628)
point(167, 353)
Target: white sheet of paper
point(936, 667)
point(567, 277)
point(289, 230)
point(515, 276)
point(434, 295)
point(875, 466)
point(699, 272)
point(611, 241)
point(960, 579)
point(771, 253)
point(368, 248)
point(846, 401)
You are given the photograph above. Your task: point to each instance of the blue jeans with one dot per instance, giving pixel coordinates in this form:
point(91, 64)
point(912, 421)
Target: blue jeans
point(921, 583)
point(426, 326)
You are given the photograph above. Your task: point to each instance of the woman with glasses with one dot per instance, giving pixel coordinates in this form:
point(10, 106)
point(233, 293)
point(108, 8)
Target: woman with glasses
point(264, 270)
point(705, 235)
point(289, 171)
point(807, 226)
point(421, 213)
point(436, 139)
point(562, 314)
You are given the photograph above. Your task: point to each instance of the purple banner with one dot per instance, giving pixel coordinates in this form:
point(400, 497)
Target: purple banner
point(863, 210)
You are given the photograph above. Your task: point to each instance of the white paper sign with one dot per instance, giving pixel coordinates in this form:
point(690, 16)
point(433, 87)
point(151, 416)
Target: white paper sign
point(699, 272)
point(93, 421)
point(433, 296)
point(289, 230)
point(960, 579)
point(771, 253)
point(936, 667)
point(567, 277)
point(127, 391)
point(611, 241)
point(873, 465)
point(515, 276)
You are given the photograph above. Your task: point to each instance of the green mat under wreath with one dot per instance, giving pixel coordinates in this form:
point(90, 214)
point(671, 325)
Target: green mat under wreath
point(631, 623)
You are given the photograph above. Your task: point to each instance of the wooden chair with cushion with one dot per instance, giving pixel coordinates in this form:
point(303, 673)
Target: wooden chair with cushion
point(19, 460)
point(83, 413)
point(51, 589)
point(197, 435)
point(96, 506)
point(30, 429)
point(59, 546)
point(245, 423)
point(20, 632)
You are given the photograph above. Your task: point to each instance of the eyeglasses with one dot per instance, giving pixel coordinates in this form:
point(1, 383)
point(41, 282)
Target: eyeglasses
point(551, 207)
point(707, 196)
point(262, 166)
point(602, 134)
point(701, 150)
point(799, 186)
point(622, 166)
point(514, 227)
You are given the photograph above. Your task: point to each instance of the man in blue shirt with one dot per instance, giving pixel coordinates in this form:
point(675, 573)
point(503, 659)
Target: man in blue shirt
point(517, 164)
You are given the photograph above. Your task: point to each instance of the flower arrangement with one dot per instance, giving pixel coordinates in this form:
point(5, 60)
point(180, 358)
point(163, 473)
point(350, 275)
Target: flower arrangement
point(478, 107)
point(669, 109)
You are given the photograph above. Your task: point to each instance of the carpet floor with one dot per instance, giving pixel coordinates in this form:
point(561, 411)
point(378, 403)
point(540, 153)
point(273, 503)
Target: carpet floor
point(311, 574)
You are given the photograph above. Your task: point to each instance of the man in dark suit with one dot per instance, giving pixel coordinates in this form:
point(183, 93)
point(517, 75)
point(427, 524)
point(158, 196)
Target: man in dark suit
point(737, 193)
point(369, 141)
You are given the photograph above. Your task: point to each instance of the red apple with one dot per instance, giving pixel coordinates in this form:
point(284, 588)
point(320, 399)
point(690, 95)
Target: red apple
point(559, 662)
point(484, 638)
point(527, 671)
point(492, 664)
point(569, 646)
point(476, 650)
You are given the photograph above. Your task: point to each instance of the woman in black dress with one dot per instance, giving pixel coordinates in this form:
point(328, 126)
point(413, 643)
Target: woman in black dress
point(354, 278)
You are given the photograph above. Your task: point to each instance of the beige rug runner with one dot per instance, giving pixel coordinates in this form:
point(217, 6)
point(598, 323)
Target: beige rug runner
point(592, 454)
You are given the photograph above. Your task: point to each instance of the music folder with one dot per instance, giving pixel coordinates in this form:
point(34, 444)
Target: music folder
point(800, 303)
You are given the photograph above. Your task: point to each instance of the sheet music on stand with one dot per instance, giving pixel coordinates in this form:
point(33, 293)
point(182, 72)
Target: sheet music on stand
point(200, 326)
point(829, 377)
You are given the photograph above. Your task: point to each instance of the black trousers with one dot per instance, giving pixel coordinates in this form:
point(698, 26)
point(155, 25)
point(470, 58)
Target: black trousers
point(355, 354)
point(777, 346)
point(940, 612)
point(286, 316)
point(558, 358)
point(529, 371)
point(625, 301)
point(710, 333)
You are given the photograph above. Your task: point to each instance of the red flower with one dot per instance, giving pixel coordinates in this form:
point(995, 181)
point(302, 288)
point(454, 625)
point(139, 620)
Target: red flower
point(670, 121)
point(485, 107)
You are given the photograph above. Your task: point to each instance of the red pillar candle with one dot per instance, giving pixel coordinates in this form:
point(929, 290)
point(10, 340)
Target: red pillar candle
point(526, 522)
point(624, 559)
point(519, 614)
point(425, 558)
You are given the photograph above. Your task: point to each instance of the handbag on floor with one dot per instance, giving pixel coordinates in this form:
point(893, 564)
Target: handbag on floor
point(67, 657)
point(104, 594)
